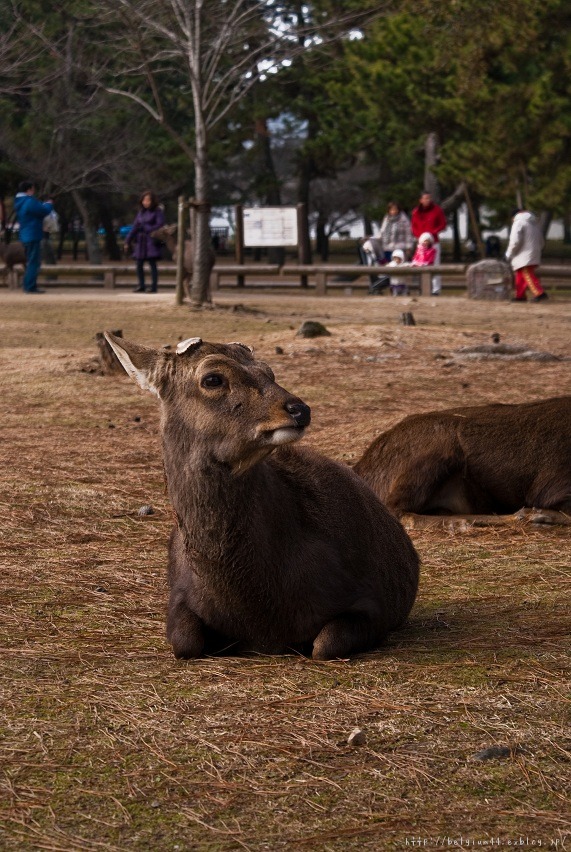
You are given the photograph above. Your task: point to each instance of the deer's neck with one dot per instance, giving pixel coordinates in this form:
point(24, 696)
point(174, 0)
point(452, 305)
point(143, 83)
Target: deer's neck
point(213, 505)
point(171, 245)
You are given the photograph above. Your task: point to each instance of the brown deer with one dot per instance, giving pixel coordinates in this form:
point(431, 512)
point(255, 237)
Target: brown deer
point(11, 255)
point(275, 546)
point(483, 459)
point(167, 234)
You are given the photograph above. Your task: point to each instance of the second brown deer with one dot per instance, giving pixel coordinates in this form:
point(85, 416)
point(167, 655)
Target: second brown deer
point(476, 460)
point(12, 254)
point(275, 546)
point(168, 235)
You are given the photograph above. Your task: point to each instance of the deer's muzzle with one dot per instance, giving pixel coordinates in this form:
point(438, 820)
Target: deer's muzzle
point(300, 412)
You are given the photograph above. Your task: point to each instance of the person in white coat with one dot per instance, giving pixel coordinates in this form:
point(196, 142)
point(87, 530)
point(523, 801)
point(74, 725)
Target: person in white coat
point(524, 254)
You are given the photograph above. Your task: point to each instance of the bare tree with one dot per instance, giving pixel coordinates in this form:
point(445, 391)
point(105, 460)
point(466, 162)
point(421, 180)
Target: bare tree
point(218, 51)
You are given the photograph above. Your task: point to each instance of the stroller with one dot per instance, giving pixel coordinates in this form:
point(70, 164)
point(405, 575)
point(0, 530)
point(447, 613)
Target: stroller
point(371, 254)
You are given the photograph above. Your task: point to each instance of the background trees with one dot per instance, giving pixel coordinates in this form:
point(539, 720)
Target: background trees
point(279, 102)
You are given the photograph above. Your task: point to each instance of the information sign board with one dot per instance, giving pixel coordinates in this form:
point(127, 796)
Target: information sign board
point(270, 226)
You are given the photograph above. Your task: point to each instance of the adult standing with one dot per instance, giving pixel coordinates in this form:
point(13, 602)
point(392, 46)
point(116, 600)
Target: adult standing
point(30, 214)
point(395, 232)
point(146, 249)
point(429, 217)
point(524, 254)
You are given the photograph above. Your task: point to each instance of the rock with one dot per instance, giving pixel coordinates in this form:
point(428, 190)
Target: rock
point(146, 510)
point(279, 350)
point(357, 737)
point(311, 328)
point(407, 318)
point(503, 351)
point(494, 753)
point(496, 337)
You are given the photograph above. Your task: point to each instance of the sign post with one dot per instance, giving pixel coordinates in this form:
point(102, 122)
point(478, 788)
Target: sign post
point(239, 241)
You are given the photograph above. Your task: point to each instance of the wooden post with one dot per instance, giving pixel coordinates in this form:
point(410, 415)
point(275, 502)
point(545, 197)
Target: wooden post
point(425, 283)
point(303, 243)
point(179, 289)
point(321, 283)
point(474, 223)
point(239, 240)
point(109, 279)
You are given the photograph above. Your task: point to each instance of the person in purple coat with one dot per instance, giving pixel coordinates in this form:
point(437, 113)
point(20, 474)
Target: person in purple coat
point(149, 218)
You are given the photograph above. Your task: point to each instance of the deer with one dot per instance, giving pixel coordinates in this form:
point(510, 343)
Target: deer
point(12, 254)
point(275, 547)
point(494, 463)
point(167, 234)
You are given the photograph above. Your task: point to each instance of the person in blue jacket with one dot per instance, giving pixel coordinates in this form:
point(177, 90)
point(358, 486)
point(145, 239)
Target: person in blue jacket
point(30, 214)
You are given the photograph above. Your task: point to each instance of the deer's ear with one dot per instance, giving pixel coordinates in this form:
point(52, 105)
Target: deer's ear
point(140, 362)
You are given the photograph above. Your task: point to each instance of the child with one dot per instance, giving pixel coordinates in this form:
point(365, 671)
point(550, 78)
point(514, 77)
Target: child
point(398, 285)
point(425, 253)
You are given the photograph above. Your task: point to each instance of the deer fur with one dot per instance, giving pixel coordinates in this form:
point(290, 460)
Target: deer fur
point(11, 255)
point(167, 234)
point(275, 546)
point(482, 459)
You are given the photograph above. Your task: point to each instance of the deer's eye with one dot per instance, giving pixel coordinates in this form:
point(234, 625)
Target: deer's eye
point(212, 380)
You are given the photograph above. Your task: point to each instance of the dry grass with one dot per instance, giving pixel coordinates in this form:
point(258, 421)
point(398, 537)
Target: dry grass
point(107, 743)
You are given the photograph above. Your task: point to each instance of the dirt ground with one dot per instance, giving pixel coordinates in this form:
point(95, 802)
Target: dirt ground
point(108, 743)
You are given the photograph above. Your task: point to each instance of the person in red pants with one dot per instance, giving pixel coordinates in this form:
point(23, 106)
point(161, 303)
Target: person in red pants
point(524, 254)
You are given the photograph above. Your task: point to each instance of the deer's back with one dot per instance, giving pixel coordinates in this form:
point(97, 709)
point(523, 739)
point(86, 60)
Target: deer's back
point(506, 454)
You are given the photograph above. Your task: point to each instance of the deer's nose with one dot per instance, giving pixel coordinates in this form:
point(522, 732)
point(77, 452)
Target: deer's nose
point(300, 412)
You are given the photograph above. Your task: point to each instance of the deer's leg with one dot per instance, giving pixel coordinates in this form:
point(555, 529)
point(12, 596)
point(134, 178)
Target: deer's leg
point(184, 628)
point(345, 635)
point(463, 522)
point(186, 282)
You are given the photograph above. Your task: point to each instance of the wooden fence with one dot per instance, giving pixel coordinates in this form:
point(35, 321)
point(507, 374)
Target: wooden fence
point(320, 279)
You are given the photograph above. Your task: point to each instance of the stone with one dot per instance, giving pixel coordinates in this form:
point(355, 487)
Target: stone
point(312, 328)
point(489, 279)
point(357, 737)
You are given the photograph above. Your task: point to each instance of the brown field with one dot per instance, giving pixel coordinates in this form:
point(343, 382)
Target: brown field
point(108, 743)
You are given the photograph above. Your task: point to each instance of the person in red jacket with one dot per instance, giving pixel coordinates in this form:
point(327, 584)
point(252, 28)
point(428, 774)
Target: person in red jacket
point(429, 217)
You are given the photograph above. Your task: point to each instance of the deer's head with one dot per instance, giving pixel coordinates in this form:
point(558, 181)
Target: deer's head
point(218, 396)
point(164, 233)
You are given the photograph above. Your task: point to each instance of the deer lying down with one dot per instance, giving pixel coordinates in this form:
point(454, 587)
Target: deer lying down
point(484, 459)
point(275, 547)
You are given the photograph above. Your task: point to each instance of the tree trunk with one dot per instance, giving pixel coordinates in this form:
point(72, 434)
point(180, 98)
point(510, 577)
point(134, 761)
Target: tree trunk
point(200, 218)
point(567, 227)
point(322, 238)
point(111, 247)
point(455, 200)
point(306, 173)
point(545, 218)
point(430, 161)
point(91, 238)
point(267, 183)
point(457, 252)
